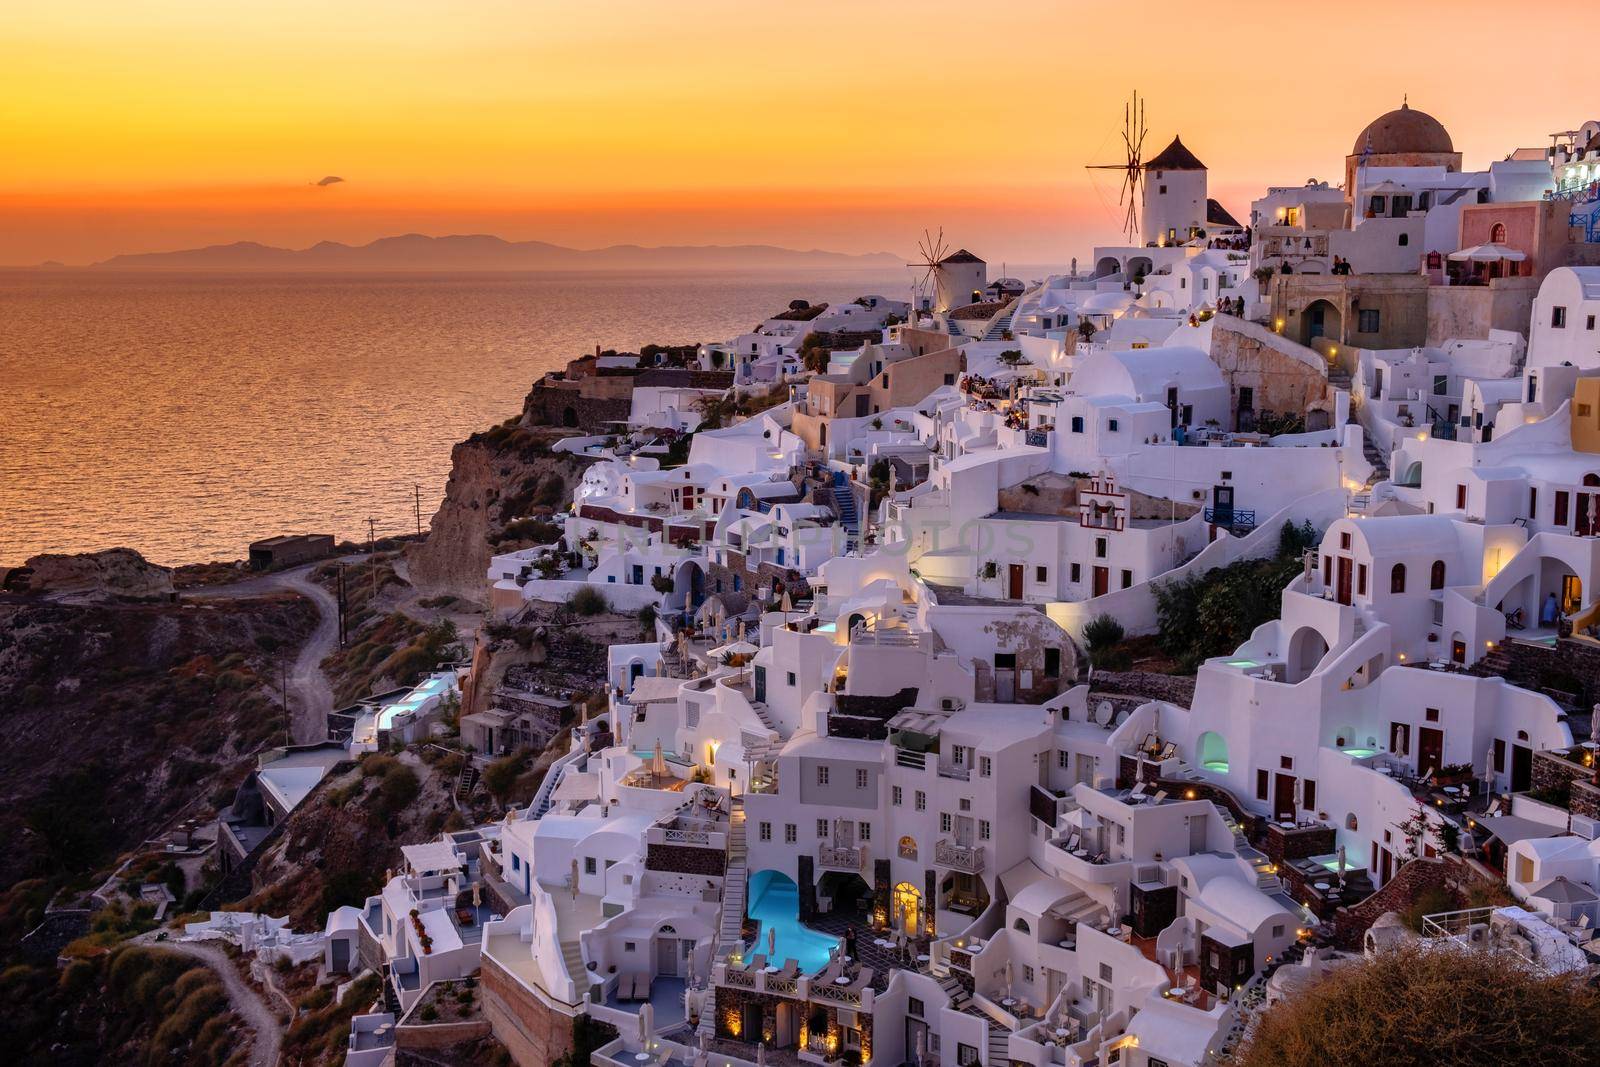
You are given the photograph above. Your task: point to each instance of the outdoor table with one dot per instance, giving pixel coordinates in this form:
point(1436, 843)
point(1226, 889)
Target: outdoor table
point(642, 1057)
point(769, 969)
point(923, 957)
point(1322, 887)
point(841, 980)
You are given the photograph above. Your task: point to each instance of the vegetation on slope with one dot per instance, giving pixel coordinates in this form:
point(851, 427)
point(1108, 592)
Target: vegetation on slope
point(1211, 614)
point(135, 1005)
point(1418, 1008)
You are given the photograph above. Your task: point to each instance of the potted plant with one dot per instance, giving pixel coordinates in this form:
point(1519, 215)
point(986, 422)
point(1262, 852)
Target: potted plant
point(1452, 774)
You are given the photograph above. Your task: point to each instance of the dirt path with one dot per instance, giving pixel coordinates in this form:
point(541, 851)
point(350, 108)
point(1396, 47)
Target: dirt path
point(241, 996)
point(310, 696)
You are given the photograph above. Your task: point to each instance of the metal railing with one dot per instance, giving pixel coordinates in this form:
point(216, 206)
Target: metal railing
point(839, 857)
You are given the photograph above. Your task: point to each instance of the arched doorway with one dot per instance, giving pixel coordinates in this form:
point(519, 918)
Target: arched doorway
point(688, 587)
point(1106, 267)
point(1139, 266)
point(1214, 752)
point(1306, 649)
point(907, 914)
point(569, 416)
point(1321, 319)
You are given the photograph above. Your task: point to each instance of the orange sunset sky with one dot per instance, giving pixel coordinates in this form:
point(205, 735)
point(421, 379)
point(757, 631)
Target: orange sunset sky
point(843, 125)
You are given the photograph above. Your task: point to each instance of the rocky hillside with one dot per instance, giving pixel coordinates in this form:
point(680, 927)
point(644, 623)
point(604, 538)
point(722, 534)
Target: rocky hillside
point(339, 844)
point(501, 481)
point(119, 715)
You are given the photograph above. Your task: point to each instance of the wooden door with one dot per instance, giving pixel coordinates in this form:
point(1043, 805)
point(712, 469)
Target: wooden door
point(1015, 591)
point(1283, 797)
point(1521, 768)
point(1345, 568)
point(1102, 581)
point(1430, 750)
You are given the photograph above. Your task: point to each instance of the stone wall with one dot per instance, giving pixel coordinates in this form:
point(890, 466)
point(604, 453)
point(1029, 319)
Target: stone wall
point(1297, 844)
point(1284, 377)
point(411, 1035)
point(685, 859)
point(1571, 667)
point(533, 1032)
point(1173, 688)
point(1450, 873)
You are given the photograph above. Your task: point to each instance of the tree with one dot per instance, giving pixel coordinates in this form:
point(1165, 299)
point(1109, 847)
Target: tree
point(1102, 634)
point(1086, 330)
point(501, 776)
point(1410, 1007)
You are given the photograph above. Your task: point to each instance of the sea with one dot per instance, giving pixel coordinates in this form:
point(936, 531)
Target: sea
point(186, 415)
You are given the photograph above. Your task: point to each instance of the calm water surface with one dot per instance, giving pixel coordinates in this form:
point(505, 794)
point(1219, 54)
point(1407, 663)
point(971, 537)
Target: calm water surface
point(186, 415)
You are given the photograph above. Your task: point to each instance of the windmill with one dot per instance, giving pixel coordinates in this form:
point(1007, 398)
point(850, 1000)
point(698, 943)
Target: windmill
point(930, 250)
point(1132, 169)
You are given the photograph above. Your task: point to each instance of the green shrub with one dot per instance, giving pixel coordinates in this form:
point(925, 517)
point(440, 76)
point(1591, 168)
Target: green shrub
point(588, 601)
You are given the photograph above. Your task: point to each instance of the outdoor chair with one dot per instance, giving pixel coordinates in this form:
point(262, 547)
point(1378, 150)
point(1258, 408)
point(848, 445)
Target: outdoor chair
point(1159, 797)
point(1170, 751)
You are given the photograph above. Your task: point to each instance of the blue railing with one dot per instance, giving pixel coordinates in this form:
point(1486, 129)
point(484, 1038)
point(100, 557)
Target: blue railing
point(1233, 518)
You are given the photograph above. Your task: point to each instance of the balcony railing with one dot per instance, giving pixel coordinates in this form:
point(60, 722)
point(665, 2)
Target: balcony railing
point(960, 774)
point(960, 857)
point(1233, 518)
point(839, 858)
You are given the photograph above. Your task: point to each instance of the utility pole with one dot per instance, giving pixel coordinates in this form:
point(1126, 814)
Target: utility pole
point(283, 688)
point(344, 607)
point(372, 568)
point(417, 488)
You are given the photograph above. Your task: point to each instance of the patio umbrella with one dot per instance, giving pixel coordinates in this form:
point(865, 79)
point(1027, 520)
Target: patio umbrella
point(786, 605)
point(772, 941)
point(1008, 978)
point(477, 895)
point(1594, 725)
point(658, 761)
point(572, 878)
point(1341, 865)
point(761, 1054)
point(922, 1045)
point(1488, 253)
point(644, 1025)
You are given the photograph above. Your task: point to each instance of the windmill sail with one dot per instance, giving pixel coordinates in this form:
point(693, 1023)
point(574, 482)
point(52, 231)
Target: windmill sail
point(1132, 168)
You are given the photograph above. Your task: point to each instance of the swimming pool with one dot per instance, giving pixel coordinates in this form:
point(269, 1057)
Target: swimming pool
point(1360, 753)
point(1243, 664)
point(434, 686)
point(774, 902)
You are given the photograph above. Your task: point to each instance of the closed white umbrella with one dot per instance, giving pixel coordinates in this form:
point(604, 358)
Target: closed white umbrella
point(922, 1045)
point(658, 761)
point(772, 941)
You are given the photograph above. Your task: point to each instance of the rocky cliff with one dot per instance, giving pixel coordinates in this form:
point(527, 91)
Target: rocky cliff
point(114, 574)
point(496, 478)
point(120, 715)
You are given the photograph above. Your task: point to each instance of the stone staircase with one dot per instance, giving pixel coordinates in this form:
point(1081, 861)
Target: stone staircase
point(844, 502)
point(959, 998)
point(731, 932)
point(999, 1046)
point(1000, 325)
point(572, 956)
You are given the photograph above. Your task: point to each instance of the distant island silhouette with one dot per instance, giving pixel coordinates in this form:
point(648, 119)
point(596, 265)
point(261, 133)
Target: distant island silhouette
point(415, 251)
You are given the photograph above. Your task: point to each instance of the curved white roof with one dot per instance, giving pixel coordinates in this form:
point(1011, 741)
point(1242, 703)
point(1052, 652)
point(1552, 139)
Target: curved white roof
point(1103, 302)
point(1402, 534)
point(1239, 903)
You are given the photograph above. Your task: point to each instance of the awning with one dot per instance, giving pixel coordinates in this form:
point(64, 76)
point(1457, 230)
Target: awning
point(1559, 890)
point(648, 688)
point(1513, 828)
point(1488, 253)
point(432, 857)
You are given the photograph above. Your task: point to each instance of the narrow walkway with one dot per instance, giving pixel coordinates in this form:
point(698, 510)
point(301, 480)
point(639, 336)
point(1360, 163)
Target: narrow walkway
point(245, 1001)
point(310, 696)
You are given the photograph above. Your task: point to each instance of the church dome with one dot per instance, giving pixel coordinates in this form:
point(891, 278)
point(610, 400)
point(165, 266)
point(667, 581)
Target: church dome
point(1404, 131)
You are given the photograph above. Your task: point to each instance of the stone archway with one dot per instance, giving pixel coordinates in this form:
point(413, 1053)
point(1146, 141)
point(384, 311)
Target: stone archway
point(1321, 319)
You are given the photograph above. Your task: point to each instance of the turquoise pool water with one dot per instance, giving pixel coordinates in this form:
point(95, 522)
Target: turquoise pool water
point(671, 757)
point(1218, 765)
point(775, 904)
point(1243, 664)
point(1360, 753)
point(434, 686)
